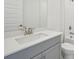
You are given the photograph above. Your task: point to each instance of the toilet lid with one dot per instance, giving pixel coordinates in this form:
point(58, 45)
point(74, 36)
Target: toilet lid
point(68, 46)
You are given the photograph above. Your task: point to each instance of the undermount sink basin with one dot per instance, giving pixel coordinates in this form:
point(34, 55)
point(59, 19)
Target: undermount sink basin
point(27, 38)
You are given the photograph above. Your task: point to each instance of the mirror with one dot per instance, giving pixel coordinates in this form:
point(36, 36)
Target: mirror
point(31, 13)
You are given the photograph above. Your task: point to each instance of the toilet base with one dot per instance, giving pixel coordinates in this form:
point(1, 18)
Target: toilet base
point(68, 56)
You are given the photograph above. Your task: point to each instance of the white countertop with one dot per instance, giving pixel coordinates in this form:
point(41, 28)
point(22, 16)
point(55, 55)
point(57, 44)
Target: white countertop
point(11, 46)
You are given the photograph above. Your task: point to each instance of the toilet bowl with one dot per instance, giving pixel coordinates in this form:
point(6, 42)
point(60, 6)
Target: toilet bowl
point(67, 50)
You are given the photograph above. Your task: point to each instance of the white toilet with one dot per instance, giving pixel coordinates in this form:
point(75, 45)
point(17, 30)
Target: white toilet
point(67, 50)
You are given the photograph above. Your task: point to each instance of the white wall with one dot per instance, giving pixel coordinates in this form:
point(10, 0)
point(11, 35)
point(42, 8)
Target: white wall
point(35, 13)
point(54, 15)
point(69, 17)
point(31, 13)
point(43, 13)
point(12, 14)
point(61, 16)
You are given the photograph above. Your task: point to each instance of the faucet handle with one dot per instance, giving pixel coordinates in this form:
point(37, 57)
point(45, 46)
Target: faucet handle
point(30, 31)
point(20, 27)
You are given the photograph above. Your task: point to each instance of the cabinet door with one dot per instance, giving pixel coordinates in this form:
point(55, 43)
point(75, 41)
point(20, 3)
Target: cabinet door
point(37, 57)
point(52, 53)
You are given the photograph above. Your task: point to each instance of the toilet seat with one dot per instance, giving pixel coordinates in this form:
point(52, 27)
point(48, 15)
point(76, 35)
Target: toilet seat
point(68, 48)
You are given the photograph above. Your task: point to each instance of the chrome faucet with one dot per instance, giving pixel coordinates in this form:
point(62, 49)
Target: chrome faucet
point(26, 30)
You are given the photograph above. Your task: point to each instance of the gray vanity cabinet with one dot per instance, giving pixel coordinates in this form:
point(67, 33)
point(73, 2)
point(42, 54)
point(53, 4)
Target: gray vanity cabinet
point(52, 53)
point(37, 57)
point(19, 55)
point(49, 49)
